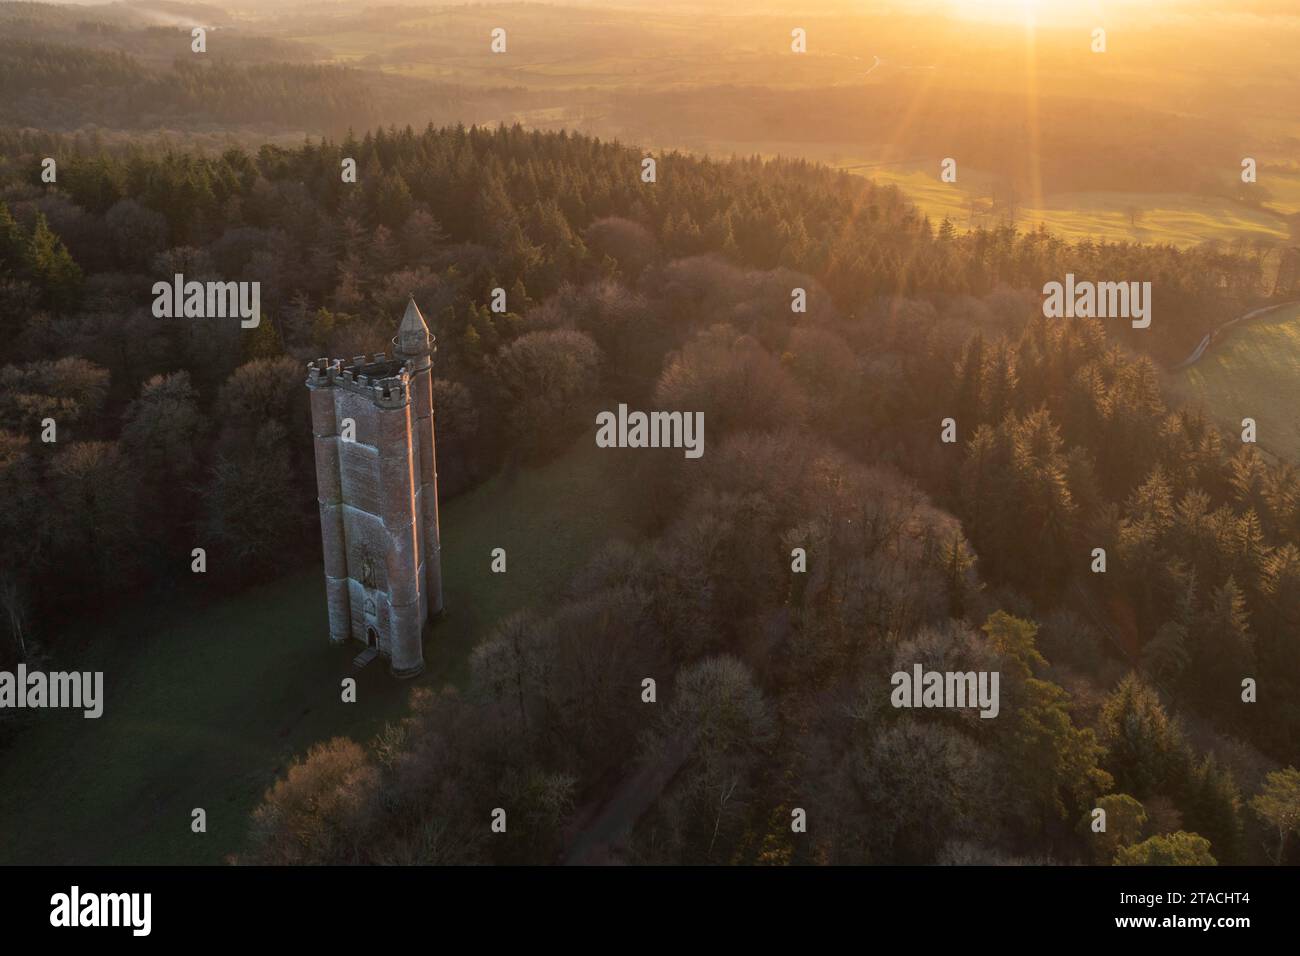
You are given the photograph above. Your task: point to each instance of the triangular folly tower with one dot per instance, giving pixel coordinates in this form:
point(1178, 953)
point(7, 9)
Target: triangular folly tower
point(377, 485)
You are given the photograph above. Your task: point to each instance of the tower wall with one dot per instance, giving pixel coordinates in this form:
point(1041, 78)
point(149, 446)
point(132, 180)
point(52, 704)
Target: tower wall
point(423, 415)
point(397, 510)
point(378, 495)
point(359, 459)
point(329, 498)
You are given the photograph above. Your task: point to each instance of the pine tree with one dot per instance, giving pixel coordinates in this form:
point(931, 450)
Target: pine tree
point(52, 268)
point(264, 341)
point(1223, 649)
point(1211, 806)
point(14, 253)
point(1145, 750)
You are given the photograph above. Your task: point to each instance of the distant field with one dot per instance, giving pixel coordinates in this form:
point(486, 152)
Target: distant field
point(1181, 219)
point(592, 48)
point(206, 704)
point(1255, 373)
point(597, 60)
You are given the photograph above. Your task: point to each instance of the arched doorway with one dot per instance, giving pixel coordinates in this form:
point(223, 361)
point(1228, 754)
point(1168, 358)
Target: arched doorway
point(372, 639)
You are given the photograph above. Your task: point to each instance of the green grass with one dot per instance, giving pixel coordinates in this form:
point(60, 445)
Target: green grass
point(1253, 373)
point(207, 703)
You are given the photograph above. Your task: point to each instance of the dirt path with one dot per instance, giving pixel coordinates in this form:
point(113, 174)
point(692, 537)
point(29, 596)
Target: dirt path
point(600, 830)
point(1213, 335)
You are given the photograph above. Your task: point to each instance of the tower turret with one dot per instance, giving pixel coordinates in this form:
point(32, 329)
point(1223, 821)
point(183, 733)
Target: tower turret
point(417, 346)
point(413, 336)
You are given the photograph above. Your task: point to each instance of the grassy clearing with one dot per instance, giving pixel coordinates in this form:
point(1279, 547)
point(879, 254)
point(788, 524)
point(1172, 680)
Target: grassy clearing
point(207, 703)
point(1255, 373)
point(1181, 219)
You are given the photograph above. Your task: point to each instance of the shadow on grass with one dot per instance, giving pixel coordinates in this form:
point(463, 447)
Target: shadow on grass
point(205, 706)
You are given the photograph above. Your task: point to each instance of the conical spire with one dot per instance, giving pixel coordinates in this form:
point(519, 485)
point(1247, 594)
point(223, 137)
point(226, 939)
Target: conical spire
point(413, 334)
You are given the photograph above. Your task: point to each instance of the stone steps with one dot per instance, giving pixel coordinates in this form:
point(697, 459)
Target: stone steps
point(365, 657)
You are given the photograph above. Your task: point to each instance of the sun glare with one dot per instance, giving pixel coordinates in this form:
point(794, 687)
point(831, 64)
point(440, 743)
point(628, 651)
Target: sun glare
point(1025, 12)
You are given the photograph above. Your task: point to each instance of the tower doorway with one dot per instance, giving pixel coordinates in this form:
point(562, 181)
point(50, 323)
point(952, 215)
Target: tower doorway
point(372, 639)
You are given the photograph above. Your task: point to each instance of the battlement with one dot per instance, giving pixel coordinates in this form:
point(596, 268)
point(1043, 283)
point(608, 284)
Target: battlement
point(322, 372)
point(386, 381)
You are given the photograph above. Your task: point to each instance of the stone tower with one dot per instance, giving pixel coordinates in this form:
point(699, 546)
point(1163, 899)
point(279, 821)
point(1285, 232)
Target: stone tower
point(377, 484)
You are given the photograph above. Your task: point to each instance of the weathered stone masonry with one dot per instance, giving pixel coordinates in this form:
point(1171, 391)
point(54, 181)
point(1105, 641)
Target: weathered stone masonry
point(378, 495)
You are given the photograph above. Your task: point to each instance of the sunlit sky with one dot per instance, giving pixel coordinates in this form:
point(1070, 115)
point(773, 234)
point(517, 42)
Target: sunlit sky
point(1046, 13)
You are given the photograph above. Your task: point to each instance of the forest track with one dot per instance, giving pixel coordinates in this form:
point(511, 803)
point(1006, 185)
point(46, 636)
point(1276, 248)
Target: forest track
point(1214, 334)
point(602, 828)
